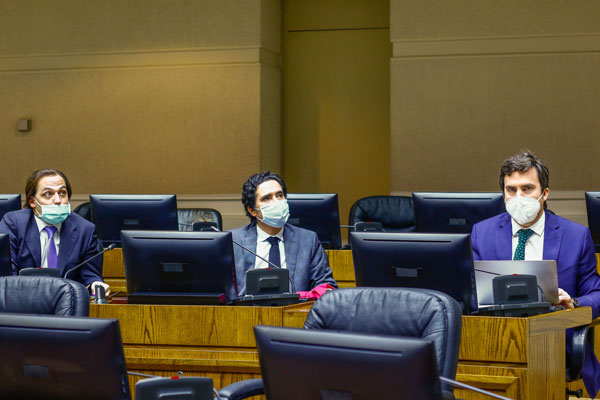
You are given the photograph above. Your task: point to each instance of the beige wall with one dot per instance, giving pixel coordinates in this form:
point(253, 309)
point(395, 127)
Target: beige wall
point(474, 81)
point(167, 96)
point(336, 98)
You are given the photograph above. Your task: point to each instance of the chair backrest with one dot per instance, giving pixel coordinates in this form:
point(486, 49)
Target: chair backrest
point(421, 313)
point(84, 210)
point(188, 216)
point(43, 295)
point(395, 213)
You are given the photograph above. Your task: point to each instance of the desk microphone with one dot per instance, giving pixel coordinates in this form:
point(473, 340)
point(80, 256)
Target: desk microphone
point(110, 247)
point(256, 255)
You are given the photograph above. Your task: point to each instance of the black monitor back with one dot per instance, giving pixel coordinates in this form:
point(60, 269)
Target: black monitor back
point(299, 364)
point(112, 213)
point(454, 212)
point(5, 264)
point(51, 357)
point(592, 202)
point(164, 263)
point(441, 262)
point(318, 212)
point(9, 202)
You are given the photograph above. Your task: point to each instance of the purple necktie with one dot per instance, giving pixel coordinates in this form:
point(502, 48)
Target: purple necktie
point(51, 257)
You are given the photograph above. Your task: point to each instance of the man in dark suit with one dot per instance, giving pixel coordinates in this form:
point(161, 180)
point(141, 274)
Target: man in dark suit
point(46, 234)
point(529, 232)
point(268, 234)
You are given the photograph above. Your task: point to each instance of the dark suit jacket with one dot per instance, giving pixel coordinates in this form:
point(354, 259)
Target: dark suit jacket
point(305, 258)
point(78, 242)
point(567, 242)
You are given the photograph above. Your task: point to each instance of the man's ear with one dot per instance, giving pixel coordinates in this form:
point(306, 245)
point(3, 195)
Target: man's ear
point(31, 202)
point(251, 211)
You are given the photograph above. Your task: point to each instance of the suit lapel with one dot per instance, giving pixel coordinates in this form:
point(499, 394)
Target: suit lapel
point(552, 238)
point(503, 239)
point(249, 241)
point(291, 249)
point(68, 238)
point(33, 241)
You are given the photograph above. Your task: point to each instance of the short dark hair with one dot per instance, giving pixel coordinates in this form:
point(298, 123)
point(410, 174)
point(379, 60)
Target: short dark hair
point(249, 189)
point(34, 179)
point(523, 162)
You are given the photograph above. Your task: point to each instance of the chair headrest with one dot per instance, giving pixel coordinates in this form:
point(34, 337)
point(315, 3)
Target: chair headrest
point(43, 295)
point(391, 211)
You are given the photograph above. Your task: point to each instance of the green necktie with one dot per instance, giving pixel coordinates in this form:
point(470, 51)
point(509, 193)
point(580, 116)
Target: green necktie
point(524, 235)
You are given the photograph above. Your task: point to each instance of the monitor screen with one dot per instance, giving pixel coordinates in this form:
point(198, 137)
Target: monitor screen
point(454, 212)
point(5, 264)
point(9, 202)
point(318, 213)
point(167, 267)
point(441, 262)
point(345, 366)
point(112, 213)
point(52, 357)
point(592, 202)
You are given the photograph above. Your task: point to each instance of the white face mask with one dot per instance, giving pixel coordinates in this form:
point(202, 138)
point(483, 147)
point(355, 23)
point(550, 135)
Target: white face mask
point(523, 209)
point(275, 214)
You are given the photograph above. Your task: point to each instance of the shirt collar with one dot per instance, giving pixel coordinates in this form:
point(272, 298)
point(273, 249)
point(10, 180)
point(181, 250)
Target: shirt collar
point(537, 228)
point(41, 224)
point(261, 235)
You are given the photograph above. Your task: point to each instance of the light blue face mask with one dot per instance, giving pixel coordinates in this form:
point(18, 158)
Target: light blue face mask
point(275, 214)
point(54, 214)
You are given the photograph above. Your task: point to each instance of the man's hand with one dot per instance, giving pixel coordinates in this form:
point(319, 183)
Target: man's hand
point(564, 299)
point(106, 287)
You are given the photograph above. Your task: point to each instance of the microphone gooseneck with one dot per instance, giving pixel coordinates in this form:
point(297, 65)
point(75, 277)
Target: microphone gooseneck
point(110, 247)
point(256, 255)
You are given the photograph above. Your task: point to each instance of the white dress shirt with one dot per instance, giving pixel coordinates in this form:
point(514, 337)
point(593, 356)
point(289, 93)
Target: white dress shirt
point(534, 247)
point(263, 247)
point(44, 242)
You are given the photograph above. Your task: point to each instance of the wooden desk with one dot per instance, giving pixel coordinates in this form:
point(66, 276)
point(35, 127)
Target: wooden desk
point(339, 260)
point(212, 341)
point(522, 358)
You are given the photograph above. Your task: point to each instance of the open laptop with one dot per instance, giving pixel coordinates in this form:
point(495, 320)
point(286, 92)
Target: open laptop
point(486, 271)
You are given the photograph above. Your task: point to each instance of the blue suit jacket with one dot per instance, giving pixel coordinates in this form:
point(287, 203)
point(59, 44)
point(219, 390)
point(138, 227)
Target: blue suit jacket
point(304, 256)
point(78, 242)
point(567, 242)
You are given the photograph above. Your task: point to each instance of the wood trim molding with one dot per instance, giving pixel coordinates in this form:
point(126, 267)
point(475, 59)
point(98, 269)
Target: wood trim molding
point(139, 59)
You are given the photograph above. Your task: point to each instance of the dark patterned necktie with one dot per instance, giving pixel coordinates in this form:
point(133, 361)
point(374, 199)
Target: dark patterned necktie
point(274, 255)
point(524, 235)
point(51, 256)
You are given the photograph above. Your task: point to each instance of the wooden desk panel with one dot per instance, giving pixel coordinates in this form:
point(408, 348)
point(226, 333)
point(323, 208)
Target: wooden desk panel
point(522, 358)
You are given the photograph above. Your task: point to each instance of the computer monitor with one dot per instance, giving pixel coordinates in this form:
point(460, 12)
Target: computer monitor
point(592, 202)
point(454, 212)
point(113, 213)
point(9, 202)
point(5, 263)
point(164, 267)
point(300, 364)
point(319, 213)
point(55, 357)
point(441, 262)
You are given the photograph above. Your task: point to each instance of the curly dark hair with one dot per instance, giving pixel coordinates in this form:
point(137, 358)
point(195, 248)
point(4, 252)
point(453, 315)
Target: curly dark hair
point(249, 189)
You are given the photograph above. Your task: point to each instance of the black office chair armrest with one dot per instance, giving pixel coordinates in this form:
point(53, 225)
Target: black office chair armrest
point(446, 395)
point(242, 389)
point(578, 345)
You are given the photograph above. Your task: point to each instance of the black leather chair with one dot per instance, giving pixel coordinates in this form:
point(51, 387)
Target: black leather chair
point(420, 313)
point(197, 219)
point(43, 295)
point(394, 213)
point(84, 210)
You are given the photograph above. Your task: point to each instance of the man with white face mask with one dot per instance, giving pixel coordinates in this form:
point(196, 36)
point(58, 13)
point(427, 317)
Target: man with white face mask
point(269, 235)
point(528, 232)
point(46, 234)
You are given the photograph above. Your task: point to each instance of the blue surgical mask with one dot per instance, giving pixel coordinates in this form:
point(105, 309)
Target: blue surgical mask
point(275, 214)
point(54, 214)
